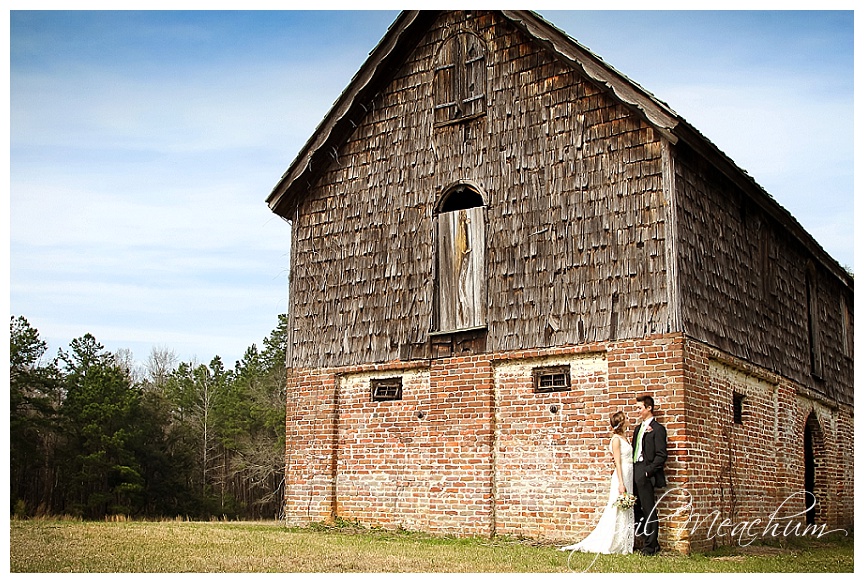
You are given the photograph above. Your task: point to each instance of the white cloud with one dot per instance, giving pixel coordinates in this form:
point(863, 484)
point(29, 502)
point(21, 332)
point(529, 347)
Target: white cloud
point(228, 341)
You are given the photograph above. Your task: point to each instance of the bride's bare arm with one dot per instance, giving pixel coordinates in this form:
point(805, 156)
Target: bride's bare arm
point(616, 455)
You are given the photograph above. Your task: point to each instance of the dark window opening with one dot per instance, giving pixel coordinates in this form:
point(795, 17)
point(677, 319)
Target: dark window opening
point(551, 379)
point(387, 389)
point(814, 477)
point(461, 198)
point(738, 408)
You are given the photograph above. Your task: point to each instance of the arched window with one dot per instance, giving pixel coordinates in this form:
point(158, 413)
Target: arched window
point(460, 254)
point(460, 79)
point(815, 480)
point(460, 197)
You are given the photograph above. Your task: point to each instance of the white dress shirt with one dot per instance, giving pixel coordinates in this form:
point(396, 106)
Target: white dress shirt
point(645, 425)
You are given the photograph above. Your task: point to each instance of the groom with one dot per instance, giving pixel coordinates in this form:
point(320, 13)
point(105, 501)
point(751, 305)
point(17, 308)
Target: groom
point(649, 455)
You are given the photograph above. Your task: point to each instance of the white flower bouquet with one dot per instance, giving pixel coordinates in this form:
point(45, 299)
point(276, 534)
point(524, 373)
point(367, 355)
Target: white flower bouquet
point(625, 501)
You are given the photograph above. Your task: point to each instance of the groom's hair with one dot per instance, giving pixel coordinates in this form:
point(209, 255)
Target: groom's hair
point(647, 401)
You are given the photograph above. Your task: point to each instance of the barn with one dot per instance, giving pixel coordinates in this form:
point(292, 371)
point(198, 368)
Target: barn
point(498, 240)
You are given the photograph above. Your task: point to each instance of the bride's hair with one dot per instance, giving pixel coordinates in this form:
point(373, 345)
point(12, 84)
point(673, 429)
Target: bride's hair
point(617, 422)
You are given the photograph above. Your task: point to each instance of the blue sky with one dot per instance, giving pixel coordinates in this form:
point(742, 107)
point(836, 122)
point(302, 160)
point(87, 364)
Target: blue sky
point(143, 145)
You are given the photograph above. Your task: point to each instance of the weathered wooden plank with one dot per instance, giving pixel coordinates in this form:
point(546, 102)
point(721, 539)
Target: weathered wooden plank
point(461, 269)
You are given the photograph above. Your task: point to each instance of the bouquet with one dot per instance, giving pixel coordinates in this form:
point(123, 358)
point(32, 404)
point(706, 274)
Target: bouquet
point(625, 501)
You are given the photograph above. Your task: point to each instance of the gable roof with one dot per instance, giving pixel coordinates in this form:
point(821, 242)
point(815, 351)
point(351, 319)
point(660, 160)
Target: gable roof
point(404, 34)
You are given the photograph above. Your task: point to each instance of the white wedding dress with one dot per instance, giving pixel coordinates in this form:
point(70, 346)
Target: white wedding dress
point(614, 532)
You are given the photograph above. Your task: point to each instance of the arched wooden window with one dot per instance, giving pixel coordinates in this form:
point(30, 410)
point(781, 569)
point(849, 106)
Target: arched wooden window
point(460, 79)
point(460, 253)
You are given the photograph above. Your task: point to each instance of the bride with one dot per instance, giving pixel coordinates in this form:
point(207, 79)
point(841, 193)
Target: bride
point(614, 531)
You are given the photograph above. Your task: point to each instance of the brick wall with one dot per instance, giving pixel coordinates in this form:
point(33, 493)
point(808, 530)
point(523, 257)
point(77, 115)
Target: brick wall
point(471, 449)
point(551, 458)
point(310, 446)
point(744, 472)
point(395, 477)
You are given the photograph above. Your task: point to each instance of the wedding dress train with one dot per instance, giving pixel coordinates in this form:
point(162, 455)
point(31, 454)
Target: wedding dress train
point(614, 532)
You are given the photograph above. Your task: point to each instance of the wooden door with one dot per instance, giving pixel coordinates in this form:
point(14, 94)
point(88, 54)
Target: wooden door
point(461, 285)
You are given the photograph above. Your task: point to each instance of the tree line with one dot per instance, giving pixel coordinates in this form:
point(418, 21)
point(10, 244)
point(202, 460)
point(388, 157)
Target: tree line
point(94, 435)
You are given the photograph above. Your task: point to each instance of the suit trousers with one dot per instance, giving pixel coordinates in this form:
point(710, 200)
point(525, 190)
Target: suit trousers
point(645, 511)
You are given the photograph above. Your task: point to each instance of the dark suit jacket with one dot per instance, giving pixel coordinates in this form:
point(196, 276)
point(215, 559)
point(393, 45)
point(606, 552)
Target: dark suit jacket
point(653, 452)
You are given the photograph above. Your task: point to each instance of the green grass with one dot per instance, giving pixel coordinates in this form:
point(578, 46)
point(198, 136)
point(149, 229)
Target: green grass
point(50, 546)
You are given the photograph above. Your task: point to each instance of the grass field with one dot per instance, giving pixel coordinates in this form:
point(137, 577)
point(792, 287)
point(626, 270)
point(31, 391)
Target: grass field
point(50, 546)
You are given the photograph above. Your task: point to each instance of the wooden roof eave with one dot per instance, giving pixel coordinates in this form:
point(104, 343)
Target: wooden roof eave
point(338, 122)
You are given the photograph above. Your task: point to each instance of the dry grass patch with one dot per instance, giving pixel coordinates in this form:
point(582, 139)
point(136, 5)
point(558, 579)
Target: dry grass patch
point(177, 547)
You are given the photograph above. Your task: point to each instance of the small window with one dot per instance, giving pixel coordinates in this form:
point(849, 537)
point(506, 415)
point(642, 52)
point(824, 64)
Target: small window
point(738, 408)
point(387, 389)
point(551, 379)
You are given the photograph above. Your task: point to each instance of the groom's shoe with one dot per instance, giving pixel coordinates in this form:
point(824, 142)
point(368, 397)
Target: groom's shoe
point(649, 552)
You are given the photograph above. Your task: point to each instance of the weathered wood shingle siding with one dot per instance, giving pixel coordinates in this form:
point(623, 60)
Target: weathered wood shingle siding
point(743, 283)
point(580, 214)
point(361, 278)
point(576, 213)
